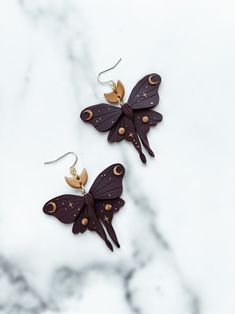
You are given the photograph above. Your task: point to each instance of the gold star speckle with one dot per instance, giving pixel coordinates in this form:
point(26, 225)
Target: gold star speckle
point(131, 134)
point(145, 95)
point(106, 219)
point(70, 205)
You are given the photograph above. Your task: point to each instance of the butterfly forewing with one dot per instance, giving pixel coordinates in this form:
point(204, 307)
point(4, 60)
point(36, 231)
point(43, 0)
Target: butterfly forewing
point(65, 207)
point(102, 116)
point(145, 93)
point(108, 184)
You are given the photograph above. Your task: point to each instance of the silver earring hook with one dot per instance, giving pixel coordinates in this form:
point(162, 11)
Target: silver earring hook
point(72, 168)
point(110, 82)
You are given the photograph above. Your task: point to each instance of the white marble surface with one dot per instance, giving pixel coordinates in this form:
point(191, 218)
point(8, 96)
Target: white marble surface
point(177, 228)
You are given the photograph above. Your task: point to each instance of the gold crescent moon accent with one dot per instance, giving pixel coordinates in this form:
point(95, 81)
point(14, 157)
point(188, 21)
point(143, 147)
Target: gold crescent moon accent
point(115, 172)
point(117, 94)
point(151, 80)
point(53, 207)
point(90, 114)
point(77, 182)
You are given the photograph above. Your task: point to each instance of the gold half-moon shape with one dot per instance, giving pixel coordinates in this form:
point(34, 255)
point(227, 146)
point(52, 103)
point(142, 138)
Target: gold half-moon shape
point(115, 172)
point(77, 182)
point(117, 94)
point(90, 114)
point(120, 89)
point(151, 80)
point(83, 177)
point(53, 207)
point(73, 182)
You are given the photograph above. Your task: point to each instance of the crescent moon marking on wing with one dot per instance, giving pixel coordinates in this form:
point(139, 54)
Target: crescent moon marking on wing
point(53, 207)
point(90, 114)
point(116, 173)
point(151, 81)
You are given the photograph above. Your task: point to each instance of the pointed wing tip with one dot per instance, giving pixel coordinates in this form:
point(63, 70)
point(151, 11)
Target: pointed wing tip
point(117, 245)
point(109, 245)
point(143, 158)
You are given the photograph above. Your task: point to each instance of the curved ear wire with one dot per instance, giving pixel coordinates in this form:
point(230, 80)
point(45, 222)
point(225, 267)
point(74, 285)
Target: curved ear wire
point(72, 168)
point(110, 82)
point(76, 181)
point(116, 96)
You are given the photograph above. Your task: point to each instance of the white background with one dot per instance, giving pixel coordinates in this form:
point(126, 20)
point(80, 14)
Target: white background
point(177, 228)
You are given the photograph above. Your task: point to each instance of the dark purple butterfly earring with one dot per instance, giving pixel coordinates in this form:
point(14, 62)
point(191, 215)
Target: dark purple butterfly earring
point(92, 210)
point(132, 119)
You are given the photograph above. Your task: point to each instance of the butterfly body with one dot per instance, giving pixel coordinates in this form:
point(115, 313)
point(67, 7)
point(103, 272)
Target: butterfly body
point(94, 210)
point(132, 119)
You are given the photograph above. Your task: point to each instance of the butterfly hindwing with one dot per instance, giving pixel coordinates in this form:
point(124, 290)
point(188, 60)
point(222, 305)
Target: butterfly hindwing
point(129, 134)
point(145, 94)
point(143, 120)
point(105, 211)
point(65, 208)
point(102, 116)
point(88, 220)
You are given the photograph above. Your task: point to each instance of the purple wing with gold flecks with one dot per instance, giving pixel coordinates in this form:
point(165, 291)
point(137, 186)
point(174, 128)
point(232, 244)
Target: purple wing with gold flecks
point(88, 220)
point(106, 191)
point(105, 211)
point(65, 207)
point(102, 116)
point(108, 184)
point(125, 129)
point(143, 120)
point(145, 94)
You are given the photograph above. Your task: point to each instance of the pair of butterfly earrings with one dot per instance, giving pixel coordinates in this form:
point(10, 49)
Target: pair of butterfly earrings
point(131, 121)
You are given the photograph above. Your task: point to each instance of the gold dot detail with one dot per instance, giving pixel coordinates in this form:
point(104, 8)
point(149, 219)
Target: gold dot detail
point(108, 207)
point(121, 131)
point(84, 221)
point(145, 119)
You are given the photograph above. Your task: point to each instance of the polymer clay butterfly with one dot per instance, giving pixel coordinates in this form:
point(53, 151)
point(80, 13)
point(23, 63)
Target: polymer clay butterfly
point(94, 210)
point(133, 119)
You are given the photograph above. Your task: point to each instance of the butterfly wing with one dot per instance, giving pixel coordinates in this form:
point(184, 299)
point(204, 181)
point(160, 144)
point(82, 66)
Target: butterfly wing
point(65, 207)
point(108, 184)
point(72, 208)
point(143, 120)
point(145, 94)
point(105, 211)
point(88, 220)
point(105, 191)
point(103, 116)
point(129, 133)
